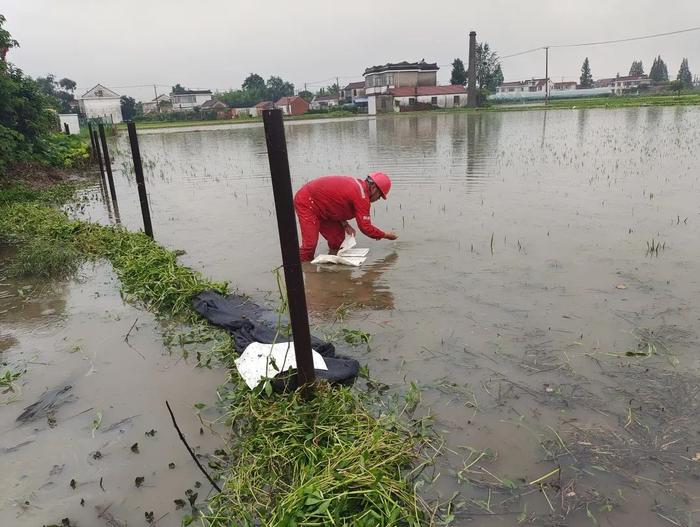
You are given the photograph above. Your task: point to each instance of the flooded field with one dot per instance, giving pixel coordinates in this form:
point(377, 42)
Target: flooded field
point(543, 295)
point(100, 370)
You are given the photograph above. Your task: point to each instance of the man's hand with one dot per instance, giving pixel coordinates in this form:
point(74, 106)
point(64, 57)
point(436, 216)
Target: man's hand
point(348, 229)
point(390, 235)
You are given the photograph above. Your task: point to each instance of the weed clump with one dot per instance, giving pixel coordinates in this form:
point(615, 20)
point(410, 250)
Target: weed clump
point(326, 461)
point(44, 258)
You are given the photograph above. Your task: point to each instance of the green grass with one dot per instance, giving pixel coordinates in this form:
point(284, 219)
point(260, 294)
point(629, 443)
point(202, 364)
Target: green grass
point(625, 101)
point(327, 461)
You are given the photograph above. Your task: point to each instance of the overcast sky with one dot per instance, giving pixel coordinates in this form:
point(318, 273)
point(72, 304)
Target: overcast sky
point(214, 44)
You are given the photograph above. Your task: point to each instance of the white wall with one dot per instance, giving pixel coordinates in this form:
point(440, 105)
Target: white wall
point(372, 105)
point(103, 107)
point(72, 120)
point(443, 101)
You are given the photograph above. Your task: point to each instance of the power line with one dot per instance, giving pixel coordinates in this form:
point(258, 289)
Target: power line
point(614, 41)
point(627, 39)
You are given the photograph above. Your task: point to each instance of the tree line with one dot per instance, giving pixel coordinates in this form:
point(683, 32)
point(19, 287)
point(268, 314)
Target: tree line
point(657, 73)
point(255, 89)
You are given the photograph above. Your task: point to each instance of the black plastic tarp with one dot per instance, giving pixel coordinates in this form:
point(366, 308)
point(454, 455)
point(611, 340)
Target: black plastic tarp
point(249, 322)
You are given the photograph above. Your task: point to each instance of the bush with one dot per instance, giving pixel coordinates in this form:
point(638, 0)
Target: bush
point(63, 151)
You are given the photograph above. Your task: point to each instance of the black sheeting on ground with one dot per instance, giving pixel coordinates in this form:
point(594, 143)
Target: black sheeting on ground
point(248, 322)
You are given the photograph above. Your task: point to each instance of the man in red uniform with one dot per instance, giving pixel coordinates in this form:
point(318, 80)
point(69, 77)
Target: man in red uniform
point(325, 205)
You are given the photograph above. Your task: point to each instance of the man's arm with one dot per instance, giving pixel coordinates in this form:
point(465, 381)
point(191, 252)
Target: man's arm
point(364, 222)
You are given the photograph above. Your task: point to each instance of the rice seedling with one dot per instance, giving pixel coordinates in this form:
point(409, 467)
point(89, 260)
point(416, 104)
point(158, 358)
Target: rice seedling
point(44, 258)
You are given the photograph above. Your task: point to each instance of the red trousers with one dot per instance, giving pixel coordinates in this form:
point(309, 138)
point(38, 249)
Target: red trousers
point(311, 226)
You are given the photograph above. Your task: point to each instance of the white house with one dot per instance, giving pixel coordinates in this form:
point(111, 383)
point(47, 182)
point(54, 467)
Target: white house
point(630, 84)
point(101, 102)
point(188, 100)
point(451, 96)
point(529, 85)
point(323, 102)
point(380, 80)
point(564, 85)
point(163, 101)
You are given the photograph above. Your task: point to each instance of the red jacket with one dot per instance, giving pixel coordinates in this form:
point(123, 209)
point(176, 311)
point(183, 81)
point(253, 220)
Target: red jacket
point(341, 198)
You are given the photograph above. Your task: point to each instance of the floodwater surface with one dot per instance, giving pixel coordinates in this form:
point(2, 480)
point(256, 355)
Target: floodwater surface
point(78, 457)
point(543, 292)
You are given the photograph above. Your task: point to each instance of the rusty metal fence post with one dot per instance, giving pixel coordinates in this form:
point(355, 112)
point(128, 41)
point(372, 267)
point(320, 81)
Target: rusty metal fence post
point(289, 243)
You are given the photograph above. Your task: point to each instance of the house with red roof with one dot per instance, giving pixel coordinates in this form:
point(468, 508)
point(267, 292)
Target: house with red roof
point(401, 86)
point(450, 96)
point(257, 110)
point(293, 105)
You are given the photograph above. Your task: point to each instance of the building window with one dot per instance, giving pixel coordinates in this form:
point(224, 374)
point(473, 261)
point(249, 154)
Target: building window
point(433, 101)
point(455, 100)
point(99, 93)
point(411, 101)
point(390, 79)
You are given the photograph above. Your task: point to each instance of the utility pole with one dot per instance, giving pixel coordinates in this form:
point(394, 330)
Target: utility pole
point(471, 91)
point(155, 92)
point(337, 83)
point(546, 74)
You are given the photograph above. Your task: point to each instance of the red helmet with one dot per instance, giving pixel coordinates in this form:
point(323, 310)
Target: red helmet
point(382, 181)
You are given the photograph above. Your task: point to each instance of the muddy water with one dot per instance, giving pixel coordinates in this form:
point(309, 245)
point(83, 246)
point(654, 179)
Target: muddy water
point(521, 280)
point(73, 335)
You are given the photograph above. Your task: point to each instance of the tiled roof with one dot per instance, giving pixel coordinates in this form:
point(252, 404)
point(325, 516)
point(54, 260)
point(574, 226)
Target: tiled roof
point(355, 85)
point(398, 66)
point(265, 105)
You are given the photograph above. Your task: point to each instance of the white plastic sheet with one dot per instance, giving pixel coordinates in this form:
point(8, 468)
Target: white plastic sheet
point(347, 254)
point(264, 361)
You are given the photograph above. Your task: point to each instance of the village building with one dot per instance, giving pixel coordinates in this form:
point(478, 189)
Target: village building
point(452, 96)
point(355, 92)
point(527, 86)
point(630, 84)
point(565, 85)
point(160, 103)
point(292, 105)
point(188, 100)
point(324, 102)
point(100, 102)
point(381, 83)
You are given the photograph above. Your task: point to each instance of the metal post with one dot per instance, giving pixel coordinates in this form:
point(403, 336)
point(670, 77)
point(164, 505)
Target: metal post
point(108, 162)
point(140, 183)
point(546, 74)
point(98, 155)
point(93, 152)
point(471, 91)
point(289, 243)
point(66, 128)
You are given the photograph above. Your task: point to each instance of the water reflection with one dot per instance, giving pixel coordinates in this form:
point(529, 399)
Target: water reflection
point(329, 287)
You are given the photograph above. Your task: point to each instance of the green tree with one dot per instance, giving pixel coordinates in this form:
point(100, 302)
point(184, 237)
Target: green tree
point(684, 74)
point(306, 95)
point(67, 84)
point(488, 68)
point(586, 80)
point(178, 89)
point(278, 88)
point(637, 68)
point(128, 105)
point(6, 40)
point(47, 84)
point(658, 71)
point(333, 89)
point(459, 74)
point(254, 83)
point(676, 86)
